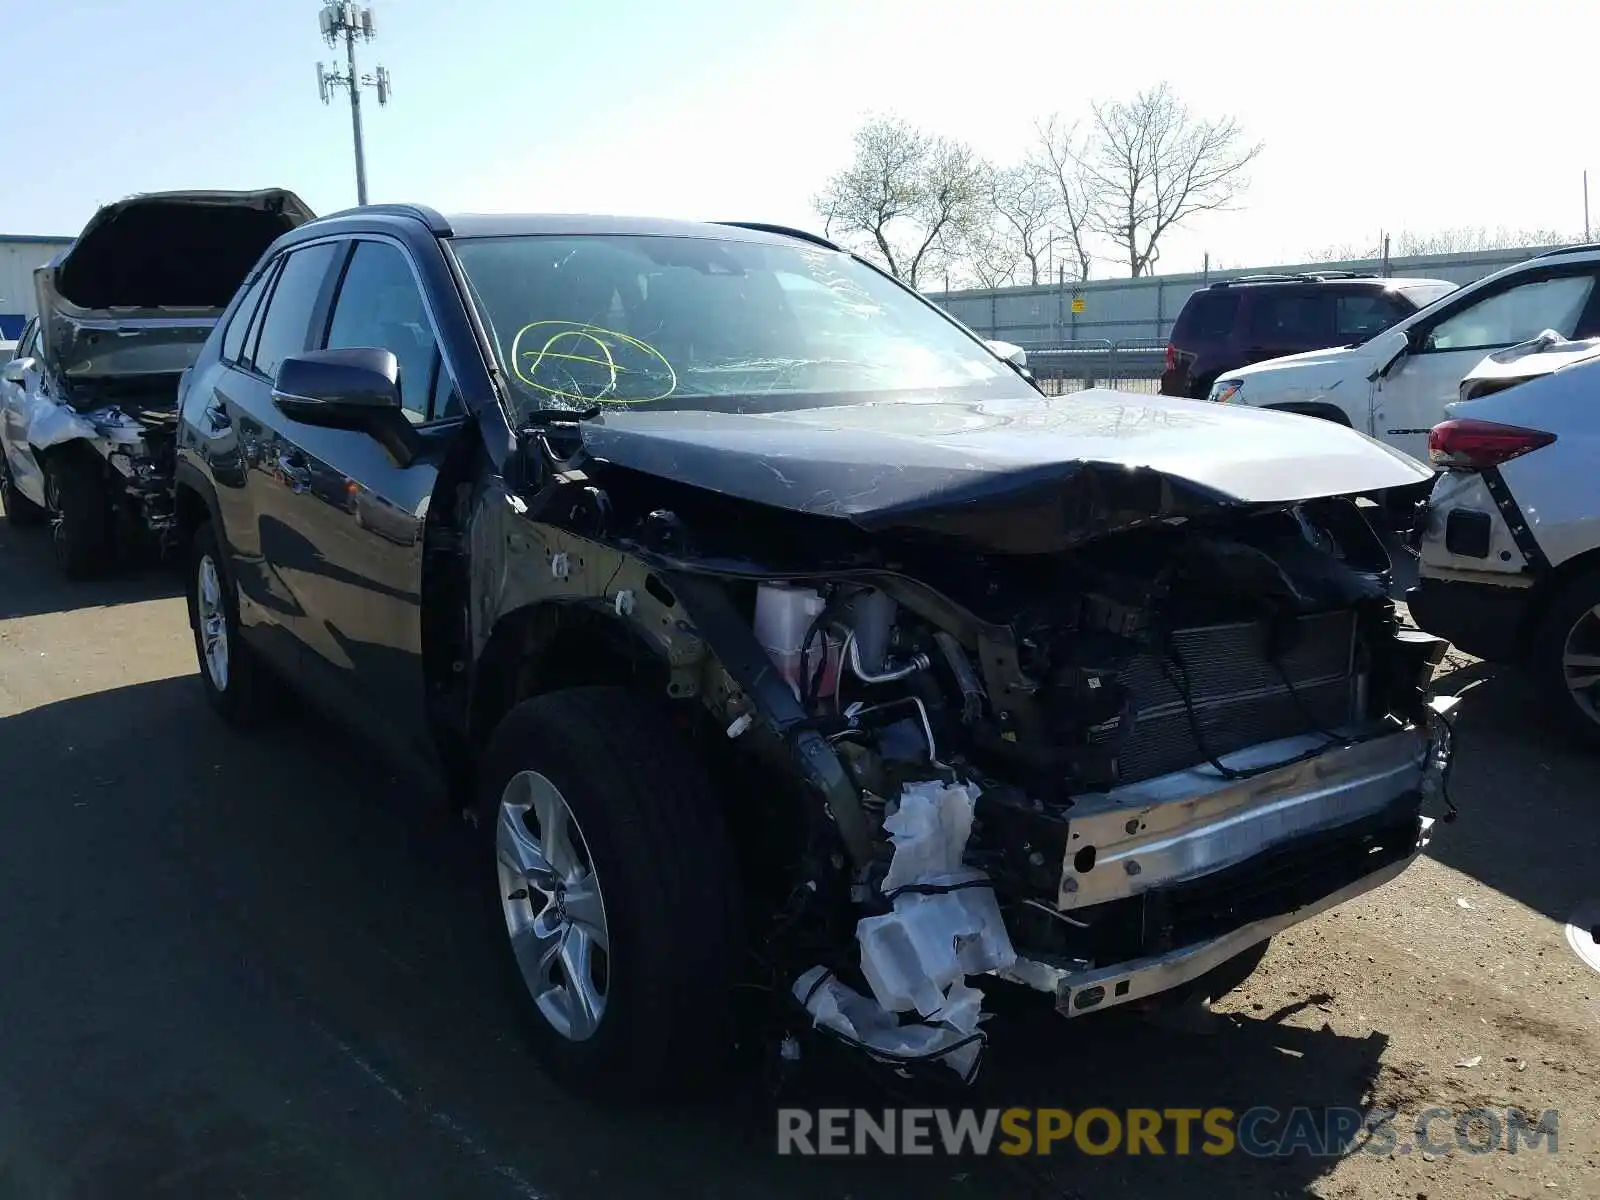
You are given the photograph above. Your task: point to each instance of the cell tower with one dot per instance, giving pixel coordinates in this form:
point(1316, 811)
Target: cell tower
point(343, 19)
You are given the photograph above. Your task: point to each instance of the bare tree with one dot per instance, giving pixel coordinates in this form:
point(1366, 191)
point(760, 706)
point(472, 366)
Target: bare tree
point(907, 194)
point(989, 254)
point(1078, 195)
point(1026, 209)
point(1465, 240)
point(1154, 165)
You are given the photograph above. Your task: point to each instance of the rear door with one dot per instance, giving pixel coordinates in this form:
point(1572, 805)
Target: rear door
point(1410, 399)
point(239, 434)
point(1284, 319)
point(355, 515)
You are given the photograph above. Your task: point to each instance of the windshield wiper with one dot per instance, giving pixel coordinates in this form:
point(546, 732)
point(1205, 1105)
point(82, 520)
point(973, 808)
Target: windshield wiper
point(537, 419)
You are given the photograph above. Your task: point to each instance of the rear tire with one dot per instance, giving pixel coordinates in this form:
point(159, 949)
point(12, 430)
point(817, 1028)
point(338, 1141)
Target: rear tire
point(237, 684)
point(80, 513)
point(20, 511)
point(624, 942)
point(1564, 658)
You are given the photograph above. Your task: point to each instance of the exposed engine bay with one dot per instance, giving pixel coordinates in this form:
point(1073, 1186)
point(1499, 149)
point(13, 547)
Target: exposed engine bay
point(1137, 657)
point(1099, 772)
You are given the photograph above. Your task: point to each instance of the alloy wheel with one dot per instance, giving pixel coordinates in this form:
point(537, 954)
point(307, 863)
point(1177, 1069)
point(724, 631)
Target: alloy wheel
point(1580, 663)
point(212, 617)
point(52, 505)
point(555, 913)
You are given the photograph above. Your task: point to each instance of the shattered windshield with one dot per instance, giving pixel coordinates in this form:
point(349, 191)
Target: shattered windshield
point(686, 322)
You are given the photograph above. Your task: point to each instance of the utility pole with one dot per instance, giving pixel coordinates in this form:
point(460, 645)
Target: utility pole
point(349, 21)
point(1586, 206)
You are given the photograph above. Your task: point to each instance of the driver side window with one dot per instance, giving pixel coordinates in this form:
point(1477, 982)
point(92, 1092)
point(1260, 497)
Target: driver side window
point(379, 304)
point(1516, 314)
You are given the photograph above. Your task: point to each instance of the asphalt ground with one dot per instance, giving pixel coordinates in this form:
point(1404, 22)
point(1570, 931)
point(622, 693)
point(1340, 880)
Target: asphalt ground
point(252, 967)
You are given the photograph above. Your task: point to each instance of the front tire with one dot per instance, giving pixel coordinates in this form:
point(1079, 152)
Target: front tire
point(237, 684)
point(1565, 657)
point(80, 513)
point(616, 881)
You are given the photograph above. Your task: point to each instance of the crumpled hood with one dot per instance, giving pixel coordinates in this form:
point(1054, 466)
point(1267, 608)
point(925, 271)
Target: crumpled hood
point(1022, 476)
point(141, 286)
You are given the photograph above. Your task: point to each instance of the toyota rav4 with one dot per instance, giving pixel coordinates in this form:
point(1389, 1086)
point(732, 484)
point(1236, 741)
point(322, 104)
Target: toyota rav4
point(772, 628)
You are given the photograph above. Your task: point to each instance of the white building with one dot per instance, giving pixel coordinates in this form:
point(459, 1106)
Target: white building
point(19, 255)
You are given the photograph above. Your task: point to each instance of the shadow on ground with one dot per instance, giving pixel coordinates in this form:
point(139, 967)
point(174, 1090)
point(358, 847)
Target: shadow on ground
point(31, 585)
point(260, 961)
point(1530, 817)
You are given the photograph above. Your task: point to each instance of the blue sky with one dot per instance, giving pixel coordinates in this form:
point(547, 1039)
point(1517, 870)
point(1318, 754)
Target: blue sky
point(1376, 115)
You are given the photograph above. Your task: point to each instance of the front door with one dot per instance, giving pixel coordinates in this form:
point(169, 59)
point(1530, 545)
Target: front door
point(1410, 400)
point(357, 515)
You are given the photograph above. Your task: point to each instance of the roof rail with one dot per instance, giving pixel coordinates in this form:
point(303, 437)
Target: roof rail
point(435, 222)
point(1581, 248)
point(1298, 277)
point(785, 230)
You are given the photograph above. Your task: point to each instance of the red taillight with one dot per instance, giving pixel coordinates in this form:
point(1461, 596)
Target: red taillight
point(1468, 445)
point(1172, 357)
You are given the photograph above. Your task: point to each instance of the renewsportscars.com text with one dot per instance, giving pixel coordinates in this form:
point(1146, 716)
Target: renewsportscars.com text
point(1260, 1132)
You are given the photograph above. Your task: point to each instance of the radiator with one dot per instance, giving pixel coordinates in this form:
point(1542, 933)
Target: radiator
point(1238, 696)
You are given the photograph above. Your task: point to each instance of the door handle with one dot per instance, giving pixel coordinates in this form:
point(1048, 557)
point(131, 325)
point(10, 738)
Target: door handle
point(294, 469)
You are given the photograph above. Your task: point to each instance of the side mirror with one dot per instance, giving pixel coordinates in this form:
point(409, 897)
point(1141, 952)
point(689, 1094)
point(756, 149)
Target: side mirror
point(356, 388)
point(1388, 348)
point(16, 371)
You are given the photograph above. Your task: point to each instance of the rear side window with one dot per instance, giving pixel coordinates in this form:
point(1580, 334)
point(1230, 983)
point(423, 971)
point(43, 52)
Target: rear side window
point(286, 328)
point(1291, 318)
point(239, 325)
point(1209, 316)
point(1362, 315)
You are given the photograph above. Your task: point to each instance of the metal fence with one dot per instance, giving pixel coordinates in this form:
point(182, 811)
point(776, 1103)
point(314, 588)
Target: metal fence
point(1132, 365)
point(1126, 311)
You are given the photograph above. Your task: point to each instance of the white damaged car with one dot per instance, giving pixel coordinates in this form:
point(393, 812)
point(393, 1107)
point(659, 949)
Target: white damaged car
point(1394, 386)
point(88, 399)
point(1509, 540)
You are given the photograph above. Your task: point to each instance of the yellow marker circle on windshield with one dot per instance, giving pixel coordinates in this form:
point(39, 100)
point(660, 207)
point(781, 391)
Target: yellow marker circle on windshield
point(590, 345)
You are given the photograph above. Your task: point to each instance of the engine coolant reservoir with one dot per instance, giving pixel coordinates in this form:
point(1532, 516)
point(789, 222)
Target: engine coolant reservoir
point(784, 614)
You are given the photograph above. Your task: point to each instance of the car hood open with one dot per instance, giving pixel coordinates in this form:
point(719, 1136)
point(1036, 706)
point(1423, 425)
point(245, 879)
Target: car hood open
point(141, 286)
point(1013, 476)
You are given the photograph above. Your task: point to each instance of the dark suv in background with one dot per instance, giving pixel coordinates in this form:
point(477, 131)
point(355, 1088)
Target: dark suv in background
point(1235, 322)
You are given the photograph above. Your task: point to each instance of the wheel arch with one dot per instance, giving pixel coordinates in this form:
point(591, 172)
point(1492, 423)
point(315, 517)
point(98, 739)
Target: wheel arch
point(1555, 581)
point(547, 646)
point(1319, 409)
point(194, 503)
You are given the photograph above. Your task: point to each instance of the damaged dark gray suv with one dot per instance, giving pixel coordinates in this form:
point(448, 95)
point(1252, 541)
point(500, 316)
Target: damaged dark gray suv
point(774, 630)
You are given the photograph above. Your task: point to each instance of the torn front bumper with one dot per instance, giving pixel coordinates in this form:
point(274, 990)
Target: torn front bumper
point(1204, 867)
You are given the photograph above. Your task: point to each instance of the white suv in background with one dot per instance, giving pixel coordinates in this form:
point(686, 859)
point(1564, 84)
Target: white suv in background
point(1395, 386)
point(1509, 540)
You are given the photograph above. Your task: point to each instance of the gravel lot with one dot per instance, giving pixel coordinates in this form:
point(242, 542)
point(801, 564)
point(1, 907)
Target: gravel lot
point(250, 968)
